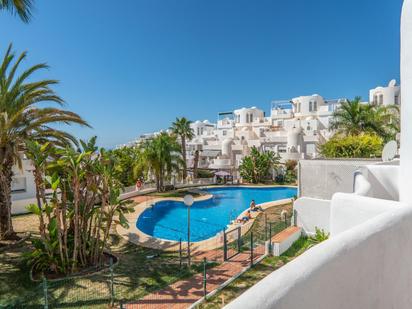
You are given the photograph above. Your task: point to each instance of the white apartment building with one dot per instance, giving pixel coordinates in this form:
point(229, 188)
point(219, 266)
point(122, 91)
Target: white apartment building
point(292, 130)
point(386, 95)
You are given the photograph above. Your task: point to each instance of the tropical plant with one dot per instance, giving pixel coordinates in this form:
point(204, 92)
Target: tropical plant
point(75, 222)
point(22, 8)
point(355, 118)
point(162, 157)
point(181, 127)
point(291, 165)
point(320, 236)
point(22, 120)
point(256, 167)
point(129, 164)
point(361, 146)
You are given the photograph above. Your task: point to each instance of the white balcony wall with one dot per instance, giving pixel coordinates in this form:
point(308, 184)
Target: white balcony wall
point(366, 266)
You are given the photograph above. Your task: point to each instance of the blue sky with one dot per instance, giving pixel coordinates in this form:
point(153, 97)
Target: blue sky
point(132, 66)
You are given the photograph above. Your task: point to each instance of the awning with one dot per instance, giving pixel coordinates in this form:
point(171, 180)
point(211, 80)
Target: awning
point(222, 173)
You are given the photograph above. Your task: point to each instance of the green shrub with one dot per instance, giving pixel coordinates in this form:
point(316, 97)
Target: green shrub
point(256, 167)
point(351, 146)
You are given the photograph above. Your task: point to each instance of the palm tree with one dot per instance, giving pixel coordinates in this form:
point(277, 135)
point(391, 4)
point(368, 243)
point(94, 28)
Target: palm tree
point(181, 127)
point(354, 118)
point(22, 8)
point(161, 156)
point(22, 120)
point(349, 118)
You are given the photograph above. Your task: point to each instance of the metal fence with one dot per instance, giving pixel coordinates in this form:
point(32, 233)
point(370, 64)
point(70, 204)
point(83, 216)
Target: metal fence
point(107, 288)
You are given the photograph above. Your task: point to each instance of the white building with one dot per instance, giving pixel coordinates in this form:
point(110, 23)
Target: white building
point(23, 189)
point(386, 95)
point(292, 130)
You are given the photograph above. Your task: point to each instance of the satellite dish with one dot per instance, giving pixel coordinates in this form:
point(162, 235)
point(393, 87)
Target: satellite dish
point(392, 83)
point(389, 151)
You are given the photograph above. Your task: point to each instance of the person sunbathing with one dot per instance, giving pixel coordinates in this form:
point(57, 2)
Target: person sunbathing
point(253, 206)
point(245, 218)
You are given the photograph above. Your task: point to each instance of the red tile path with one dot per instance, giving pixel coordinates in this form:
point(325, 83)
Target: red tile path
point(184, 293)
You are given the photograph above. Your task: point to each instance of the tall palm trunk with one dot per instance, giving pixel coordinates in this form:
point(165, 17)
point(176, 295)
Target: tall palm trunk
point(195, 163)
point(6, 226)
point(183, 138)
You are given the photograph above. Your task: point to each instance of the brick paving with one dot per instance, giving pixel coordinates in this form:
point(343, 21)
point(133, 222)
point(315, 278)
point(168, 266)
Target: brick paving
point(184, 293)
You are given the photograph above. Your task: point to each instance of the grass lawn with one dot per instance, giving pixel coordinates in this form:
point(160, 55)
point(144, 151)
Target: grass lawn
point(139, 271)
point(254, 275)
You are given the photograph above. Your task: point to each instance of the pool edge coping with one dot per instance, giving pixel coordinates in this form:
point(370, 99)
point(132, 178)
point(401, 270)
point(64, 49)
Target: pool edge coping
point(138, 237)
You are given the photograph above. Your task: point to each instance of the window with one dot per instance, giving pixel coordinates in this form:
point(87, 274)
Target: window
point(198, 131)
point(310, 106)
point(224, 133)
point(201, 131)
point(281, 148)
point(18, 184)
point(380, 99)
point(251, 117)
point(396, 100)
point(315, 106)
point(375, 99)
point(310, 148)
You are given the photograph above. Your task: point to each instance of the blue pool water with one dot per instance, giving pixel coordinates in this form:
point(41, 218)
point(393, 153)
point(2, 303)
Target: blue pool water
point(168, 219)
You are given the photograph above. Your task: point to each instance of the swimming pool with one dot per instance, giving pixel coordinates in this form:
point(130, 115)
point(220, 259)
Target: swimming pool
point(168, 219)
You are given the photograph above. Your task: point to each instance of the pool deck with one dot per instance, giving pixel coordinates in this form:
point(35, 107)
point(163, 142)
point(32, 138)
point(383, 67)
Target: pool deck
point(136, 236)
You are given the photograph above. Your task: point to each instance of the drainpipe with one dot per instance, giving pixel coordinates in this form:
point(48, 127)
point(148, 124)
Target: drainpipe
point(405, 179)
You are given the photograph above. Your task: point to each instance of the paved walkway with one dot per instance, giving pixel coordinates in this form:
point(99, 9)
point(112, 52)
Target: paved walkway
point(184, 293)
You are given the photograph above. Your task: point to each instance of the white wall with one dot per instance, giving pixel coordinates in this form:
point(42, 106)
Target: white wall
point(350, 210)
point(25, 181)
point(322, 178)
point(367, 266)
point(383, 181)
point(311, 213)
point(406, 106)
